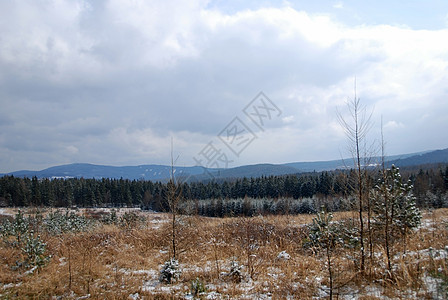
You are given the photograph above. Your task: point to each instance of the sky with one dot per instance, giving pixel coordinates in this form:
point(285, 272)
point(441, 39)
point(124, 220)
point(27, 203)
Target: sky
point(216, 83)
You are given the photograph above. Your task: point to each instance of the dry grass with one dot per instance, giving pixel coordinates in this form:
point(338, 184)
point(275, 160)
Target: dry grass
point(113, 262)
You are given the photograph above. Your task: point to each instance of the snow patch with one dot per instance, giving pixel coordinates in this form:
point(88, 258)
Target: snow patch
point(213, 295)
point(429, 252)
point(283, 256)
point(30, 271)
point(145, 272)
point(4, 212)
point(435, 287)
point(150, 285)
point(62, 261)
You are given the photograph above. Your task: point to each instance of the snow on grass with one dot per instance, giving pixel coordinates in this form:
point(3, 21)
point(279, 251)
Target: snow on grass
point(435, 288)
point(431, 224)
point(428, 224)
point(425, 253)
point(213, 295)
point(276, 274)
point(151, 273)
point(11, 285)
point(283, 256)
point(352, 293)
point(148, 273)
point(5, 212)
point(150, 285)
point(134, 296)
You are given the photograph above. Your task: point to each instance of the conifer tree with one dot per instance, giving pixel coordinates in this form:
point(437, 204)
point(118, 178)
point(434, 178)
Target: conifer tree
point(323, 236)
point(394, 207)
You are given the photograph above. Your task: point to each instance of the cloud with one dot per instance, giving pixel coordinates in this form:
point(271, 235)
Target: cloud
point(112, 81)
point(338, 5)
point(393, 125)
point(72, 149)
point(288, 119)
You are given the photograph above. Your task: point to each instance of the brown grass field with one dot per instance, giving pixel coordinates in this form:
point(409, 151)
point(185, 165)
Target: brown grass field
point(124, 262)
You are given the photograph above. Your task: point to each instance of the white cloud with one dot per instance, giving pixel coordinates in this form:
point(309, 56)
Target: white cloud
point(393, 125)
point(288, 119)
point(338, 5)
point(111, 82)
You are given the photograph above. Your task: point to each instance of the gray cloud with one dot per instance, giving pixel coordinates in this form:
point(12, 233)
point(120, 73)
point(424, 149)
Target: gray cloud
point(112, 81)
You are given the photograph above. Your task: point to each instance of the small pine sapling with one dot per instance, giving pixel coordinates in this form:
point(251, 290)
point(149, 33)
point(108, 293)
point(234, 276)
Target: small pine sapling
point(34, 250)
point(235, 273)
point(323, 236)
point(197, 288)
point(170, 271)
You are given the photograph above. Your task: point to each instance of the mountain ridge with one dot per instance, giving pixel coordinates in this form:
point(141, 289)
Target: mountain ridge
point(156, 172)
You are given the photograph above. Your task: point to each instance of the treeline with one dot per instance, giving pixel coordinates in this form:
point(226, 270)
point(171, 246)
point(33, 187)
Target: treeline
point(430, 188)
point(263, 206)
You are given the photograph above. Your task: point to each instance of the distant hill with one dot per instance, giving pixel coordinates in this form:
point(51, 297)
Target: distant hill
point(328, 165)
point(437, 156)
point(248, 171)
point(144, 172)
point(162, 172)
point(319, 166)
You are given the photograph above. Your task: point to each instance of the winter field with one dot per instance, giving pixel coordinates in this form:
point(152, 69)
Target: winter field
point(105, 254)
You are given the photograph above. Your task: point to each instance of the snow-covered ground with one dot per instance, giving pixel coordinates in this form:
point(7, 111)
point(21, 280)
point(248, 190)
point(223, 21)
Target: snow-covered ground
point(6, 212)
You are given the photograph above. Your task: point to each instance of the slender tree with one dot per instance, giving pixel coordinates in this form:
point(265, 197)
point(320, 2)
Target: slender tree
point(173, 198)
point(356, 128)
point(386, 200)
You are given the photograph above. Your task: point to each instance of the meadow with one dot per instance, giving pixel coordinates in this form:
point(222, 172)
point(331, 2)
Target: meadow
point(119, 254)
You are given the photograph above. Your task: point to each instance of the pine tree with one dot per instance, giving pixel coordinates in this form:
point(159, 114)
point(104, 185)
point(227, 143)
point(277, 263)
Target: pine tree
point(35, 192)
point(323, 236)
point(394, 207)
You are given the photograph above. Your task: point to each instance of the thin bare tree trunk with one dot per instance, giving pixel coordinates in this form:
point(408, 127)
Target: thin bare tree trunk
point(357, 134)
point(330, 272)
point(174, 234)
point(173, 197)
point(369, 223)
point(386, 202)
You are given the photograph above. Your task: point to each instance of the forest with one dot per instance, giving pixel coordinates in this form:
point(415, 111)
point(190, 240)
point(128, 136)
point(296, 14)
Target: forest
point(299, 193)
